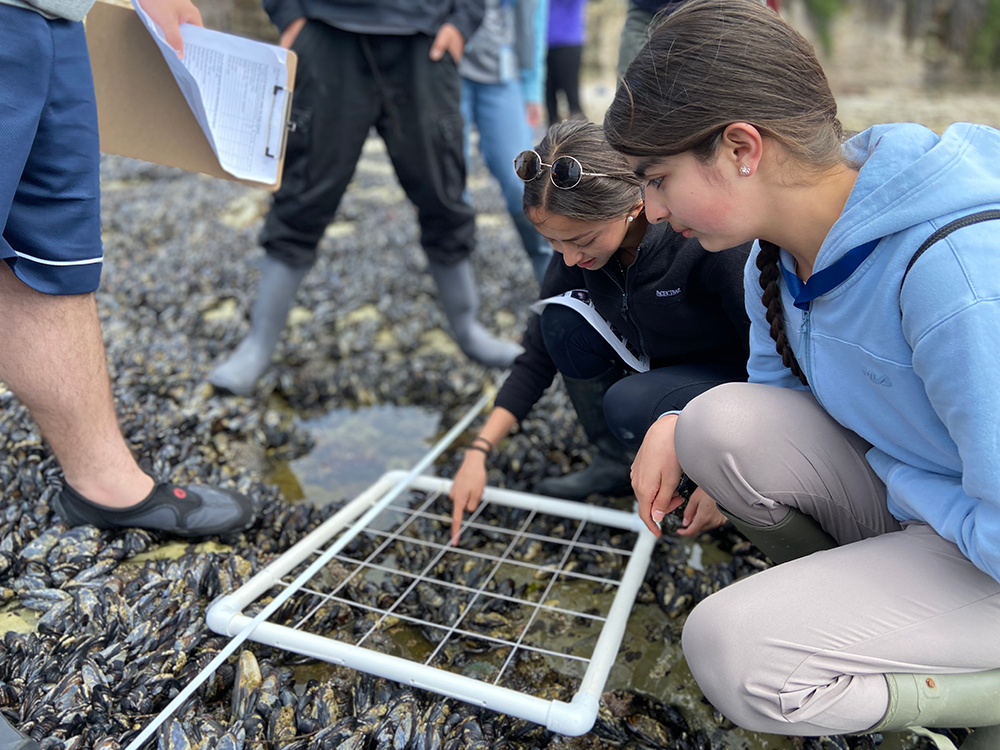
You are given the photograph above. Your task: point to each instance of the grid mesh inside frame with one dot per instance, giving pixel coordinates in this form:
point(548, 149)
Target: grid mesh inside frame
point(531, 604)
point(521, 585)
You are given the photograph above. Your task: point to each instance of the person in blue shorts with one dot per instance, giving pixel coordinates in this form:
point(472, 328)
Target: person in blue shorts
point(52, 357)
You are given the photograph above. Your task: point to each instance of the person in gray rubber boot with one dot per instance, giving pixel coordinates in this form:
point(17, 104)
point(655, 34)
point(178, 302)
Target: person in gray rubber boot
point(673, 302)
point(391, 64)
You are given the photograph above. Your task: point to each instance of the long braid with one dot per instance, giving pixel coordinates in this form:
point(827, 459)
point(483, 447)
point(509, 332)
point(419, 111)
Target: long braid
point(767, 263)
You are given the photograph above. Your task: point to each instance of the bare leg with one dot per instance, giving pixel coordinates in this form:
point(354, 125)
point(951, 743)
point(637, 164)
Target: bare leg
point(53, 359)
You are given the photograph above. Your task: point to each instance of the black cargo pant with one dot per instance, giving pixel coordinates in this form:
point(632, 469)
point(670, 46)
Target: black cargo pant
point(346, 83)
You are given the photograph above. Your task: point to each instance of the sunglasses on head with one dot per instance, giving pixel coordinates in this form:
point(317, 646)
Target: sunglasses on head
point(565, 172)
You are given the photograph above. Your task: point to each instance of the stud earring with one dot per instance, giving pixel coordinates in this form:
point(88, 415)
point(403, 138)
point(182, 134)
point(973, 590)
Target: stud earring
point(744, 170)
point(630, 219)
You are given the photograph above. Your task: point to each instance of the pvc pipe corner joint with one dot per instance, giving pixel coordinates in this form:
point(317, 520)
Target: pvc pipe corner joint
point(575, 718)
point(221, 613)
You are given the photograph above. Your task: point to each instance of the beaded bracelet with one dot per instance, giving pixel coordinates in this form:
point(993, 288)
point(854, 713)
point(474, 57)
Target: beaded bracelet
point(485, 440)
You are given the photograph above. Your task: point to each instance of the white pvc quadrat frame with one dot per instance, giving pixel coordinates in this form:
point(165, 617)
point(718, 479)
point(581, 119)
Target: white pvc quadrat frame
point(225, 616)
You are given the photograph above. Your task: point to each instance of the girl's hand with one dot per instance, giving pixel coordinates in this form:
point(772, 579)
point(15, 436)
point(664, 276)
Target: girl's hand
point(467, 489)
point(700, 515)
point(656, 473)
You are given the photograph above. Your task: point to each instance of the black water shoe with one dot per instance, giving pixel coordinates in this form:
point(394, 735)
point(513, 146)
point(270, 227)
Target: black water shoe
point(11, 739)
point(182, 510)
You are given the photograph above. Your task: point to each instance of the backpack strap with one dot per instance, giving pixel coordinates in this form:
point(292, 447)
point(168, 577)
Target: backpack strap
point(944, 231)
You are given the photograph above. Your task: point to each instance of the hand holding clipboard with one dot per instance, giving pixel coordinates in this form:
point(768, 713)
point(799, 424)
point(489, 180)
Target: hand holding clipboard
point(222, 110)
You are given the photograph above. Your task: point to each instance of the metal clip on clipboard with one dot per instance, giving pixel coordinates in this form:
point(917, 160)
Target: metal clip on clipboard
point(278, 125)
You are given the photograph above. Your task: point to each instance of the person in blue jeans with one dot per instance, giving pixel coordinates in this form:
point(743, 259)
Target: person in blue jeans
point(502, 96)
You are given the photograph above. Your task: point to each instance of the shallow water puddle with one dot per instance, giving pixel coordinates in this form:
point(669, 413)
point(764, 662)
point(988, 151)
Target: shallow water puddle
point(353, 448)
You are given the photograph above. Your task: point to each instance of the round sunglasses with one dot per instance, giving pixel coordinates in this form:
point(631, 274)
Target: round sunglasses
point(565, 172)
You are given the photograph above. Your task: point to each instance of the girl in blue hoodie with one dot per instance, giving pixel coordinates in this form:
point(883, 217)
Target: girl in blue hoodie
point(864, 453)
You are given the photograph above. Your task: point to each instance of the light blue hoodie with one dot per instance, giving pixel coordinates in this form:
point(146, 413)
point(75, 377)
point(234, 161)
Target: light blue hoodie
point(916, 373)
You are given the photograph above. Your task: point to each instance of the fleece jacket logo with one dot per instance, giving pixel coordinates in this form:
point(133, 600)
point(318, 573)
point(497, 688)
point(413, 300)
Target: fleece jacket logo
point(878, 378)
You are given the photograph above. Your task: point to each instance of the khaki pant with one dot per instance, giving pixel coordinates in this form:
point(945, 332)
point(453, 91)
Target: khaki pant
point(801, 648)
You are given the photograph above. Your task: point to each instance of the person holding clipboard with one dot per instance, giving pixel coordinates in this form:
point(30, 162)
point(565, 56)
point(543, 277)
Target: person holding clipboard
point(52, 357)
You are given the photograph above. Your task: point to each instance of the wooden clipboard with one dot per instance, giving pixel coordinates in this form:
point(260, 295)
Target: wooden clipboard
point(141, 112)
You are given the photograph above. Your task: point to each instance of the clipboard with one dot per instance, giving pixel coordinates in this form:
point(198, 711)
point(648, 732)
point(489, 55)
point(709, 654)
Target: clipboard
point(141, 112)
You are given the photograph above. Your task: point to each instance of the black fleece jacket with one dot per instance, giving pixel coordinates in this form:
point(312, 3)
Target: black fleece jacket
point(398, 17)
point(676, 303)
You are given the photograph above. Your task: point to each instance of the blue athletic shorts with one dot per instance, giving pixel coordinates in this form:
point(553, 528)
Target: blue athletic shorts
point(50, 206)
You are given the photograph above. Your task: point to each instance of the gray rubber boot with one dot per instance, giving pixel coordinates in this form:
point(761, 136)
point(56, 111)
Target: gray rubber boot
point(971, 699)
point(610, 470)
point(794, 536)
point(460, 301)
point(11, 739)
point(278, 284)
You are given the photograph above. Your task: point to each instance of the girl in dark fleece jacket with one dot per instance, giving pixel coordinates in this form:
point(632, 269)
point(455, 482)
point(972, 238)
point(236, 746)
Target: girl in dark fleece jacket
point(671, 300)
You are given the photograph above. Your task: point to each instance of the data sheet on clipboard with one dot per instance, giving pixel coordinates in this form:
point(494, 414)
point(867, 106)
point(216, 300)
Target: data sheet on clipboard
point(237, 89)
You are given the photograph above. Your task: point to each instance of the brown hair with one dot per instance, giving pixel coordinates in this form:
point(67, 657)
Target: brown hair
point(715, 62)
point(767, 264)
point(595, 198)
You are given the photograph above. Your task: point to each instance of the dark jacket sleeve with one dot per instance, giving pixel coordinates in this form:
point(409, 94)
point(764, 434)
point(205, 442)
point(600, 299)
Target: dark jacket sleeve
point(533, 371)
point(723, 274)
point(466, 16)
point(283, 12)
